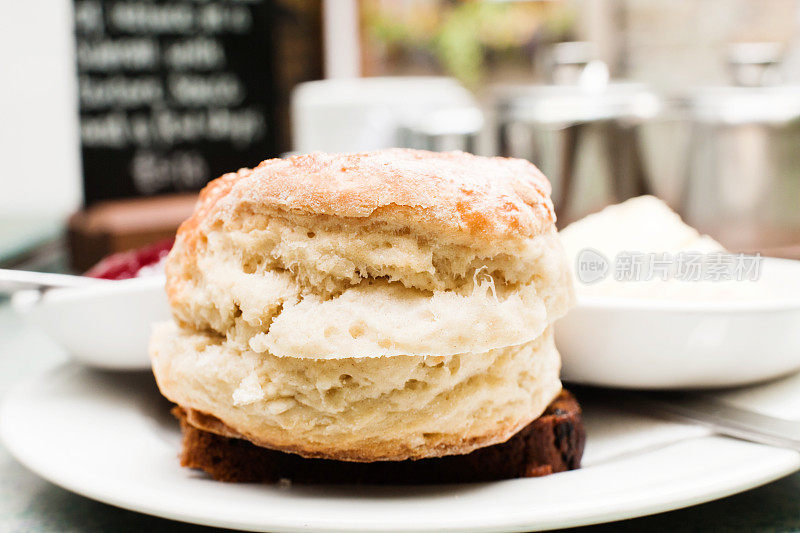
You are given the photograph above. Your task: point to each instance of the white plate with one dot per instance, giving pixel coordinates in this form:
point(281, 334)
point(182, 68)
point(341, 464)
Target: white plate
point(639, 343)
point(108, 436)
point(105, 325)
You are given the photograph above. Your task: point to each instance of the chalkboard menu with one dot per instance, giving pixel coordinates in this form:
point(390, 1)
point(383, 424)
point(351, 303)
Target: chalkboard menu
point(174, 93)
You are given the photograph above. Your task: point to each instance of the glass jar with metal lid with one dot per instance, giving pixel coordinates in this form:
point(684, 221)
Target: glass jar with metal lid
point(583, 135)
point(743, 172)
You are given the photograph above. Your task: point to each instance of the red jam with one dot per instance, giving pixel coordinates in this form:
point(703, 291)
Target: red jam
point(126, 265)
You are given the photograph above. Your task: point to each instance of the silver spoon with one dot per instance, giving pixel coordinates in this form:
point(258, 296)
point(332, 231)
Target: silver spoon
point(16, 280)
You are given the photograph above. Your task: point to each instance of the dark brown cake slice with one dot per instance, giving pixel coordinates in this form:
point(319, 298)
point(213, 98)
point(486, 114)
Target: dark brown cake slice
point(551, 443)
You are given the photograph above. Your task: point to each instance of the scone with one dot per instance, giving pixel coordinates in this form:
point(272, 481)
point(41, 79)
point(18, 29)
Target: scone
point(379, 306)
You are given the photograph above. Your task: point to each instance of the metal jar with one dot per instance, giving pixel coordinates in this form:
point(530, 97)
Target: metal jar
point(585, 139)
point(743, 166)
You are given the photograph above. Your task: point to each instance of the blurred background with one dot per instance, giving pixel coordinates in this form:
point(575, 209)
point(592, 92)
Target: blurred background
point(115, 112)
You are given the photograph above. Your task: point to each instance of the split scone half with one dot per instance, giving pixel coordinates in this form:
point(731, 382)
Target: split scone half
point(389, 305)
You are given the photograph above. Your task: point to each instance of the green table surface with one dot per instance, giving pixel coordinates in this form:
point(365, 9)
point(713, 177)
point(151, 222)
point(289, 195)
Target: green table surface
point(31, 504)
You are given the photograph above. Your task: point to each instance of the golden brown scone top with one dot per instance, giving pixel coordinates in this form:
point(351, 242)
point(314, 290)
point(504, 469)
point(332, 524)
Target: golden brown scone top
point(440, 193)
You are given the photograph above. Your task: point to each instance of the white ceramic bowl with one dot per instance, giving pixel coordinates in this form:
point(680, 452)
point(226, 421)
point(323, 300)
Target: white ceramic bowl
point(662, 344)
point(105, 325)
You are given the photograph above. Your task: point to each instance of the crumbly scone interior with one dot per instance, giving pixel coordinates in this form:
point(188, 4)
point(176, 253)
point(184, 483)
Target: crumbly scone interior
point(318, 286)
point(385, 408)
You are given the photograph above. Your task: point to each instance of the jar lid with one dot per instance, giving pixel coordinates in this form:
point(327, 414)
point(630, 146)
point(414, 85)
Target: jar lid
point(743, 105)
point(564, 104)
point(756, 95)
